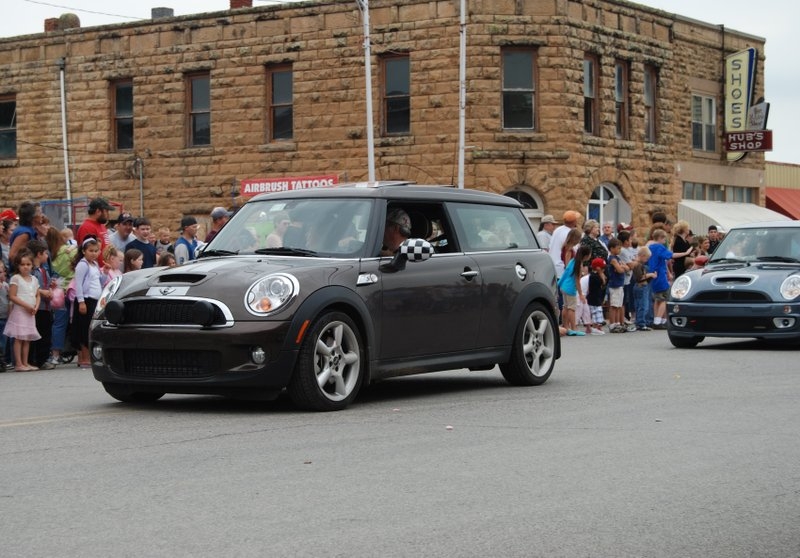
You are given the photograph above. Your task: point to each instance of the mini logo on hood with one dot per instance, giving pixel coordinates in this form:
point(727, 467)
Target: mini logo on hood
point(166, 290)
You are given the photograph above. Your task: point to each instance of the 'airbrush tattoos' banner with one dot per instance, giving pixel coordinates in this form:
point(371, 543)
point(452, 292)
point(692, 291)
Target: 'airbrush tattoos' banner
point(253, 186)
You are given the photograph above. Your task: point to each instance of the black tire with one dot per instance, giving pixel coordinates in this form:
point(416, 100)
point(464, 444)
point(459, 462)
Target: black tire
point(127, 394)
point(533, 354)
point(684, 342)
point(331, 366)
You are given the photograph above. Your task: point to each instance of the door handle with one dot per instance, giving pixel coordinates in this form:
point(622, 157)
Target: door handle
point(469, 274)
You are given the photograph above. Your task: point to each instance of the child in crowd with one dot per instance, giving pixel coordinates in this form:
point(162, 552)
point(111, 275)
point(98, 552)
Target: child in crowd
point(583, 314)
point(68, 236)
point(616, 282)
point(571, 287)
point(89, 280)
point(167, 259)
point(40, 349)
point(164, 242)
point(61, 255)
point(23, 292)
point(134, 260)
point(660, 255)
point(597, 294)
point(641, 279)
point(113, 262)
point(5, 354)
point(628, 256)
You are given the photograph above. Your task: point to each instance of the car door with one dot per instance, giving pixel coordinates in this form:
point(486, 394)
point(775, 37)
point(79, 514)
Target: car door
point(430, 307)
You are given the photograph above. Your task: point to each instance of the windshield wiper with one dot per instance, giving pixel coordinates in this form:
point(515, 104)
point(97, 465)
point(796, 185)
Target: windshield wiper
point(777, 259)
point(727, 260)
point(207, 253)
point(286, 250)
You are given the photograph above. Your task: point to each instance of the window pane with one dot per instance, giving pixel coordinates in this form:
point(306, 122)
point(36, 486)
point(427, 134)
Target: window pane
point(8, 143)
point(588, 78)
point(282, 88)
point(619, 88)
point(711, 138)
point(588, 115)
point(398, 113)
point(123, 102)
point(201, 94)
point(517, 70)
point(398, 80)
point(282, 121)
point(8, 111)
point(201, 129)
point(697, 135)
point(125, 133)
point(708, 117)
point(697, 109)
point(517, 110)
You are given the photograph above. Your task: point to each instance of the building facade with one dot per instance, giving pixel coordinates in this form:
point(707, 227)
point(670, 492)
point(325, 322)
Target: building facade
point(603, 106)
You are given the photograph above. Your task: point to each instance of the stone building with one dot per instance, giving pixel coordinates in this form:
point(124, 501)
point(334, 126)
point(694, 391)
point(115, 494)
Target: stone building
point(605, 106)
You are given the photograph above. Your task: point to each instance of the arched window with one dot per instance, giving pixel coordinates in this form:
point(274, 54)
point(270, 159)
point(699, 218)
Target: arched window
point(607, 204)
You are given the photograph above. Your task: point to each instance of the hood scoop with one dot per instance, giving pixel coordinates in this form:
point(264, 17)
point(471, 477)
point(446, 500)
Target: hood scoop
point(172, 278)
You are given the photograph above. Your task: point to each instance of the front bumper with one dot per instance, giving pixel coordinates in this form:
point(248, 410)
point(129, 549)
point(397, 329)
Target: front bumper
point(194, 360)
point(769, 321)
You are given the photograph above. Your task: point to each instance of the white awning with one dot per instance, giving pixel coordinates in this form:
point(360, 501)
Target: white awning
point(725, 215)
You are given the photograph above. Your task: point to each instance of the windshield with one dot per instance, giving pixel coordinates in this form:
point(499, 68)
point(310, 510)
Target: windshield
point(759, 245)
point(307, 227)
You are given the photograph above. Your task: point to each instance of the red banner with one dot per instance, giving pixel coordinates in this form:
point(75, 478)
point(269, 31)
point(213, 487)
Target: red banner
point(254, 186)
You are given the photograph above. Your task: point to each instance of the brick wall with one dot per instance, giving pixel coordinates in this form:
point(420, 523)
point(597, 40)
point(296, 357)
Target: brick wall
point(323, 41)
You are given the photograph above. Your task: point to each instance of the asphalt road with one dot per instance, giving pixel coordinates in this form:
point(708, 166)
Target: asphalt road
point(632, 448)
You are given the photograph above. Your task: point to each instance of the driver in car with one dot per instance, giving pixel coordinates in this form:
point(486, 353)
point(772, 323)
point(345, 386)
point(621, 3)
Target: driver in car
point(398, 229)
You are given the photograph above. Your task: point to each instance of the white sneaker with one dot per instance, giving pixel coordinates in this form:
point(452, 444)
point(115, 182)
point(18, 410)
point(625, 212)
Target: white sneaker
point(596, 331)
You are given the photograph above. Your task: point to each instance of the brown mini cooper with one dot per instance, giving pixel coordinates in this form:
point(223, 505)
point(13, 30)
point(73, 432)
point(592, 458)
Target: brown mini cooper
point(295, 293)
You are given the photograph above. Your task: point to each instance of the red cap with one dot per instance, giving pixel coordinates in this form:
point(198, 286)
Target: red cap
point(8, 215)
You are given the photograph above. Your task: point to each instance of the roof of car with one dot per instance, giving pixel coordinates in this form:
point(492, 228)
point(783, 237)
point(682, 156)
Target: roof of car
point(397, 190)
point(768, 225)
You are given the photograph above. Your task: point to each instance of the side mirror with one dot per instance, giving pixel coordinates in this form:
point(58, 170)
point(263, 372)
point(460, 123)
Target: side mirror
point(411, 250)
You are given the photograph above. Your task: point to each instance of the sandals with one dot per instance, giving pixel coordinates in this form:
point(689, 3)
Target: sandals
point(84, 365)
point(25, 368)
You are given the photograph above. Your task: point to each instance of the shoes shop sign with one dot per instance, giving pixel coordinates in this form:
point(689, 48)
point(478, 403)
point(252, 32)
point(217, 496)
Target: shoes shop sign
point(254, 186)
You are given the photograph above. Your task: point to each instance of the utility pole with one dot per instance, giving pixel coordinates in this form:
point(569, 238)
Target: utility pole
point(363, 5)
point(462, 92)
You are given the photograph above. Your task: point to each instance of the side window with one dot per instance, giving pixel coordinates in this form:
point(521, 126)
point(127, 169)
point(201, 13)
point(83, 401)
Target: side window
point(396, 91)
point(8, 126)
point(489, 227)
point(198, 117)
point(428, 221)
point(519, 89)
point(122, 99)
point(280, 102)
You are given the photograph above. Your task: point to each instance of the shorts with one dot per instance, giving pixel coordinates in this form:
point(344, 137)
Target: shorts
point(570, 301)
point(615, 296)
point(661, 295)
point(597, 315)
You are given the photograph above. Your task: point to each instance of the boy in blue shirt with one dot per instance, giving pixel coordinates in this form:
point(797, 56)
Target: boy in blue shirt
point(659, 256)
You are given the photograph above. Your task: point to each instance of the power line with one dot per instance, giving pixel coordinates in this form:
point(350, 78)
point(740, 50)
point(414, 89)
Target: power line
point(79, 9)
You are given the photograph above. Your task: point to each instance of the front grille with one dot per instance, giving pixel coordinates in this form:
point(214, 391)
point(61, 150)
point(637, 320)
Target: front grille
point(163, 363)
point(165, 312)
point(731, 325)
point(731, 296)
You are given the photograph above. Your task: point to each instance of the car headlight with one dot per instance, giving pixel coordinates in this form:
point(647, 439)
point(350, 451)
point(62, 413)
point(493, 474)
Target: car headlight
point(790, 288)
point(108, 293)
point(681, 287)
point(270, 293)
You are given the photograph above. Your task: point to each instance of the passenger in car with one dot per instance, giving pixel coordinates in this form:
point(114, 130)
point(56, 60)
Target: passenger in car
point(398, 228)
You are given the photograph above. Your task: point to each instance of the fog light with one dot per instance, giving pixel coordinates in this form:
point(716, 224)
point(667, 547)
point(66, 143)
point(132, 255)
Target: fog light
point(97, 352)
point(783, 323)
point(258, 355)
point(679, 322)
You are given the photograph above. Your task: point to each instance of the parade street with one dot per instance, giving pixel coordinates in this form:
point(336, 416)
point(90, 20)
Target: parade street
point(632, 448)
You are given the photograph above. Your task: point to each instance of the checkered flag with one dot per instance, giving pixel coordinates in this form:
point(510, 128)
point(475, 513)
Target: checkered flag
point(416, 249)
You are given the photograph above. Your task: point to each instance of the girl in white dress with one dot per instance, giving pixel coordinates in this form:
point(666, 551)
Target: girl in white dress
point(23, 292)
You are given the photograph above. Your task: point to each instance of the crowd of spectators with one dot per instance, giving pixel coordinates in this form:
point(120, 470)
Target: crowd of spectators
point(621, 282)
point(51, 279)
